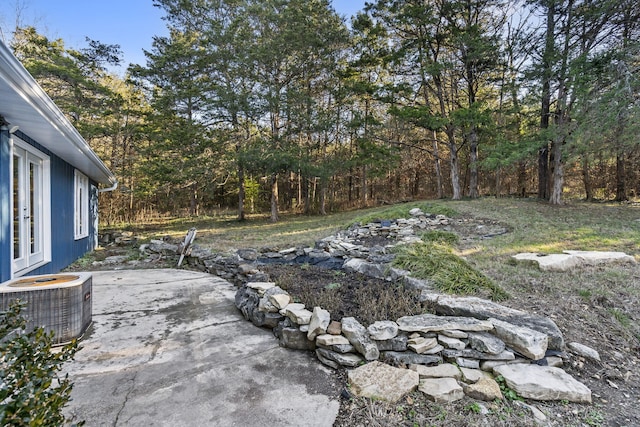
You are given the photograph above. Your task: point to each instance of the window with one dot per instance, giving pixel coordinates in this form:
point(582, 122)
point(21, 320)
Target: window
point(81, 205)
point(30, 204)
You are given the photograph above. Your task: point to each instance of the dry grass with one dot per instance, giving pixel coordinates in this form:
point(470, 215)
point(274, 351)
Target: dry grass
point(346, 294)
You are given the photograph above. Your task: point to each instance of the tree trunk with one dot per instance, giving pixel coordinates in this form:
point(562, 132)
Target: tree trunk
point(547, 70)
point(415, 188)
point(293, 201)
point(436, 154)
point(551, 169)
point(562, 113)
point(323, 196)
point(193, 205)
point(558, 175)
point(306, 195)
point(241, 193)
point(473, 160)
point(350, 185)
point(274, 198)
point(621, 178)
point(586, 179)
point(522, 179)
point(455, 167)
point(363, 184)
point(314, 188)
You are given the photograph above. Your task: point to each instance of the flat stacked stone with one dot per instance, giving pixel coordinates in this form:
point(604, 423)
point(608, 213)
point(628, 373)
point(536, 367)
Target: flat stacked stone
point(359, 338)
point(448, 305)
point(543, 383)
point(380, 381)
point(319, 322)
point(434, 323)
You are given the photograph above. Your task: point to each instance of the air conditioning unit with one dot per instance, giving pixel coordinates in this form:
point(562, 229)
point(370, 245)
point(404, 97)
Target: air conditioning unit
point(58, 302)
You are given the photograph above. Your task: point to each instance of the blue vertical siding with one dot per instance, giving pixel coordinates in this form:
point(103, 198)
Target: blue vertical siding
point(64, 248)
point(5, 215)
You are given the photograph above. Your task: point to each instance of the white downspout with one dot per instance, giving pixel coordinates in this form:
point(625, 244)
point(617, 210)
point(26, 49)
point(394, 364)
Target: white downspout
point(104, 190)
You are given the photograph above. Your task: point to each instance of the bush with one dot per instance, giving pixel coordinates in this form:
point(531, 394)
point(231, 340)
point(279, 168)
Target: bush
point(31, 391)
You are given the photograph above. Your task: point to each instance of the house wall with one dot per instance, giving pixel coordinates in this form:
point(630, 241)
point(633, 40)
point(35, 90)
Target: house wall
point(64, 248)
point(5, 215)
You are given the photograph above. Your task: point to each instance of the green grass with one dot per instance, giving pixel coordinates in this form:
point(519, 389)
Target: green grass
point(533, 226)
point(450, 273)
point(538, 227)
point(223, 233)
point(620, 316)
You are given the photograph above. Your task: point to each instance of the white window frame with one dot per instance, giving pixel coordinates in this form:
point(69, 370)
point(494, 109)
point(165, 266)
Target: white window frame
point(81, 205)
point(28, 259)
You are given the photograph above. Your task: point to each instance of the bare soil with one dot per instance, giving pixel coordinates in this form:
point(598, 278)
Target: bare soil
point(607, 322)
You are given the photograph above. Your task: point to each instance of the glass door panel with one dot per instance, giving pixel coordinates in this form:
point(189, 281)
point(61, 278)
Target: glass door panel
point(28, 200)
point(19, 258)
point(35, 209)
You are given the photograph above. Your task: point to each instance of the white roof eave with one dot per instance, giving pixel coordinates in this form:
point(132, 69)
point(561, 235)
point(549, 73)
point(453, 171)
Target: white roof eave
point(25, 104)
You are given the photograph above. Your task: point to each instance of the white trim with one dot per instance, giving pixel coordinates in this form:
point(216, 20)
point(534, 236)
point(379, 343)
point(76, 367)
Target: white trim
point(25, 104)
point(81, 197)
point(44, 229)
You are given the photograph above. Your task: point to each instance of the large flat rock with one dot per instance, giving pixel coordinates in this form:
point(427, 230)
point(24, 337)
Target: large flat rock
point(434, 323)
point(543, 383)
point(549, 262)
point(441, 390)
point(526, 341)
point(378, 380)
point(599, 257)
point(569, 260)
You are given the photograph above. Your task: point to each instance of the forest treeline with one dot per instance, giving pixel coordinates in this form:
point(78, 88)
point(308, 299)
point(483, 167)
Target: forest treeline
point(273, 105)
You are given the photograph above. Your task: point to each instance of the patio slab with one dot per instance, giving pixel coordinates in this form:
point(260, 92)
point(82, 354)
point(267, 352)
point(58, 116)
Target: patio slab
point(169, 348)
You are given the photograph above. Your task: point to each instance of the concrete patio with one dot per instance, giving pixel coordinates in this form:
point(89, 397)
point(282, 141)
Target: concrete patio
point(169, 348)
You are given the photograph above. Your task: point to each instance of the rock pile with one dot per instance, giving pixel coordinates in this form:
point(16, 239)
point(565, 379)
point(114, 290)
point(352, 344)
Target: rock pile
point(348, 249)
point(447, 356)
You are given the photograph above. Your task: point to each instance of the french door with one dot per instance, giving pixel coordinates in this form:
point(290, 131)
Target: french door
point(31, 246)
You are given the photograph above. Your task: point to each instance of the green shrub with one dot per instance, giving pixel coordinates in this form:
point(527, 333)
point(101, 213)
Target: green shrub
point(31, 391)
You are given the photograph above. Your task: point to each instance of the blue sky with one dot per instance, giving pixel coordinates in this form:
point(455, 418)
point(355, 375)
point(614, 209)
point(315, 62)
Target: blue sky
point(129, 23)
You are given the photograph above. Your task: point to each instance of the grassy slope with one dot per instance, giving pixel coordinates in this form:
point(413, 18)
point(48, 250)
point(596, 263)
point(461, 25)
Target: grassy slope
point(598, 295)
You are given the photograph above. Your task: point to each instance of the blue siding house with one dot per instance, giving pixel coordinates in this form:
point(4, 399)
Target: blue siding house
point(49, 180)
